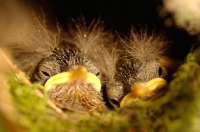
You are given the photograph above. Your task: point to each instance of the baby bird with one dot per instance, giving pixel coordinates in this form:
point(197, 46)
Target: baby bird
point(138, 71)
point(73, 72)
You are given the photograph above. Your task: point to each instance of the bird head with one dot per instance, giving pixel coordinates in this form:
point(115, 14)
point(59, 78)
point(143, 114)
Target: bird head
point(139, 71)
point(133, 76)
point(71, 80)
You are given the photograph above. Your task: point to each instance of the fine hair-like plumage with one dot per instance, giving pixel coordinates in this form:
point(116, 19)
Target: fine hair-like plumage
point(143, 46)
point(138, 62)
point(32, 44)
point(96, 43)
point(43, 54)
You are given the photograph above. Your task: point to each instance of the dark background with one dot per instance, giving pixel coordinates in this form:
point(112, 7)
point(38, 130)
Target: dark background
point(118, 15)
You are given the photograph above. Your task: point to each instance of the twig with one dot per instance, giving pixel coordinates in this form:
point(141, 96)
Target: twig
point(19, 73)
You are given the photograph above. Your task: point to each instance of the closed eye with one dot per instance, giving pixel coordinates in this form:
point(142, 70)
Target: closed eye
point(162, 72)
point(98, 73)
point(46, 73)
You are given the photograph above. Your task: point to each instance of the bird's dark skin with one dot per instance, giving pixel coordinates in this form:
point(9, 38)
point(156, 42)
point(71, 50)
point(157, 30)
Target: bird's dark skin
point(59, 61)
point(130, 72)
point(76, 96)
point(138, 63)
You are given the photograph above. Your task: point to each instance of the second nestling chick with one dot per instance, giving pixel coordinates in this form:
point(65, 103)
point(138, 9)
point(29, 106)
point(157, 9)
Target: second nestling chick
point(138, 71)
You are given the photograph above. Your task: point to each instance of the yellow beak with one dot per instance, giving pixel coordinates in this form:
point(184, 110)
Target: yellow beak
point(141, 89)
point(76, 73)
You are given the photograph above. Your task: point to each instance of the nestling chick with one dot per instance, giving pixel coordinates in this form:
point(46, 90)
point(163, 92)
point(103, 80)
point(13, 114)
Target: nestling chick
point(138, 64)
point(40, 56)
